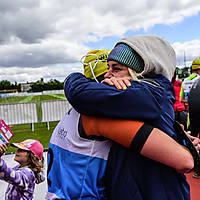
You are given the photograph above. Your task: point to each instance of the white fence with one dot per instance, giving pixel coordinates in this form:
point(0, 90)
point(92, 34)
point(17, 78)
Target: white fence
point(19, 113)
point(22, 113)
point(54, 110)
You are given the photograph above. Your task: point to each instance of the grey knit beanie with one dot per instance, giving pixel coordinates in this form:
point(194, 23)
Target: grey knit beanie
point(125, 55)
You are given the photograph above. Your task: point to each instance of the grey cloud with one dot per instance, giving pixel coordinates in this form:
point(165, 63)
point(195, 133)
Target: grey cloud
point(23, 20)
point(35, 58)
point(7, 6)
point(189, 49)
point(26, 23)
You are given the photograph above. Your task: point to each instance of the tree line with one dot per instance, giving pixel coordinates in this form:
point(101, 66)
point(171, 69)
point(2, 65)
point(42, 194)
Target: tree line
point(54, 84)
point(38, 86)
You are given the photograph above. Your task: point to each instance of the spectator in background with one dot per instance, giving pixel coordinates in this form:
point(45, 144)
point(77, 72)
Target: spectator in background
point(186, 87)
point(189, 81)
point(179, 107)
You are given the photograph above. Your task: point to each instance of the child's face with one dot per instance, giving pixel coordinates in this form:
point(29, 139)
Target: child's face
point(21, 156)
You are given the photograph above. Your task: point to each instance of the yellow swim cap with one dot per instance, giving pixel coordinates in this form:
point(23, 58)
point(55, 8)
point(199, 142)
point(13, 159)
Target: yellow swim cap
point(95, 63)
point(196, 64)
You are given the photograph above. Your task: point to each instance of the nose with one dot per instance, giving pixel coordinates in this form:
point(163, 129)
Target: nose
point(108, 74)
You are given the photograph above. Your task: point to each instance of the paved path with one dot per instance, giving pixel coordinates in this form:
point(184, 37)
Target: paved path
point(40, 189)
point(194, 186)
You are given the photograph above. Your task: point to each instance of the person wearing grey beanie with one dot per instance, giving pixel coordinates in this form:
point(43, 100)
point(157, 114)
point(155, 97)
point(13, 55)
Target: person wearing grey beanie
point(149, 62)
point(125, 55)
point(76, 150)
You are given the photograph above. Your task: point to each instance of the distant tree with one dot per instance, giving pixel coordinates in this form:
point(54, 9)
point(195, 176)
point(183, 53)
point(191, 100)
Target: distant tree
point(18, 87)
point(55, 84)
point(40, 86)
point(6, 85)
point(37, 87)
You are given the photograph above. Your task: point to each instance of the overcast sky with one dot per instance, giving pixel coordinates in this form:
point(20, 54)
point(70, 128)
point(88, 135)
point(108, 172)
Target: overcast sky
point(47, 38)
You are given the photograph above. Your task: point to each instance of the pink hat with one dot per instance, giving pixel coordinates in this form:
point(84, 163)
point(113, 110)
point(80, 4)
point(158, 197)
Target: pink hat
point(31, 145)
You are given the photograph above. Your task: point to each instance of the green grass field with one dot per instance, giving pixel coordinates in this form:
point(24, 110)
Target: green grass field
point(36, 98)
point(24, 131)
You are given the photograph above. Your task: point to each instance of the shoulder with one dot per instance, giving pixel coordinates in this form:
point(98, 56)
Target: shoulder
point(27, 172)
point(158, 81)
point(192, 76)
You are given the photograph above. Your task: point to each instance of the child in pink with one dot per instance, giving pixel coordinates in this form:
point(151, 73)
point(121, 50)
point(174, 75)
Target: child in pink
point(22, 178)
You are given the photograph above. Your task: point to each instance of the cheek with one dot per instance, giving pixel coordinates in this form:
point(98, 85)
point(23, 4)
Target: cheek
point(126, 72)
point(118, 75)
point(122, 74)
point(106, 75)
point(15, 157)
point(25, 156)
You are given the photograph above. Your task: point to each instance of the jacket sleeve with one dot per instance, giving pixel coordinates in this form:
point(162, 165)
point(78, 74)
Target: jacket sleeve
point(20, 178)
point(128, 133)
point(99, 99)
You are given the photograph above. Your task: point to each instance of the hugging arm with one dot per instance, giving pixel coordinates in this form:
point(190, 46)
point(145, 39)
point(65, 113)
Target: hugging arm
point(84, 95)
point(141, 138)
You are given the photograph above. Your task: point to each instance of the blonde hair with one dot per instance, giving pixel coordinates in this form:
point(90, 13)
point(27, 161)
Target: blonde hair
point(34, 163)
point(134, 75)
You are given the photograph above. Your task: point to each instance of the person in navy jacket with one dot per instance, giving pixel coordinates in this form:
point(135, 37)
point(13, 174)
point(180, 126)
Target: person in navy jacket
point(149, 62)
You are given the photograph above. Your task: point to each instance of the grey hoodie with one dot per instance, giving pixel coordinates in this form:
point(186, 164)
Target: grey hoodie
point(158, 55)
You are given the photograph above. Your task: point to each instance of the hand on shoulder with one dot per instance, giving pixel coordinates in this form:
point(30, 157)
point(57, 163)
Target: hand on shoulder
point(120, 83)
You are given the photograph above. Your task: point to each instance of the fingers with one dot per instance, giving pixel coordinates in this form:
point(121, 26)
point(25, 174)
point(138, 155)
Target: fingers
point(108, 81)
point(127, 82)
point(182, 126)
point(190, 136)
point(196, 143)
point(198, 147)
point(120, 83)
point(3, 149)
point(193, 138)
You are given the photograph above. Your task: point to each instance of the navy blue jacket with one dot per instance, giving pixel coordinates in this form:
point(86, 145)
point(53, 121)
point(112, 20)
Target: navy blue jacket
point(130, 175)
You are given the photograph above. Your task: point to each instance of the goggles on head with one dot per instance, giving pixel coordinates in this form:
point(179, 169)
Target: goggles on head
point(92, 64)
